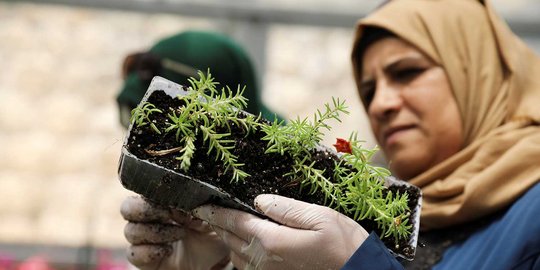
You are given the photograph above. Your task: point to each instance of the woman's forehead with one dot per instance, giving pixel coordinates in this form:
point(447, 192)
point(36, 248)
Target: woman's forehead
point(390, 51)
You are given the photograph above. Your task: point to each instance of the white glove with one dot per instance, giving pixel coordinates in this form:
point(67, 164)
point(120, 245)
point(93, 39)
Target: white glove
point(311, 237)
point(165, 239)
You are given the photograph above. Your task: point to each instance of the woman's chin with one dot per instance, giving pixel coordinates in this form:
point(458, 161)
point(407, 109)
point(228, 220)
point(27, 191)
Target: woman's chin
point(406, 167)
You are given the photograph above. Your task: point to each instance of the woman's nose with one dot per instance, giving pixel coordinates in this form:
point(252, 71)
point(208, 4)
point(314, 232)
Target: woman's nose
point(386, 102)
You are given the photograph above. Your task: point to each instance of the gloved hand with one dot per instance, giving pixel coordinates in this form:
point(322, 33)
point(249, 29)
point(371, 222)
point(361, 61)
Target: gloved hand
point(311, 237)
point(164, 239)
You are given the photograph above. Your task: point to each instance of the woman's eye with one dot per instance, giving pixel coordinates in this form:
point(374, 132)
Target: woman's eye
point(407, 74)
point(368, 93)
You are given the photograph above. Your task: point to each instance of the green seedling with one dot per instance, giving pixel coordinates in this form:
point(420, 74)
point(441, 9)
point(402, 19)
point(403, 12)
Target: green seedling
point(354, 186)
point(141, 115)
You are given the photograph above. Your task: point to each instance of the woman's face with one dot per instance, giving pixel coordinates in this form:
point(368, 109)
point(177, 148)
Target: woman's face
point(410, 105)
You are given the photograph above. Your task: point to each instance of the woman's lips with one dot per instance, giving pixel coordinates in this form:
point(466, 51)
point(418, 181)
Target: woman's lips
point(392, 134)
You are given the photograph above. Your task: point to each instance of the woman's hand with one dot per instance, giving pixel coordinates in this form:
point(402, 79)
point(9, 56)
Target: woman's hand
point(163, 238)
point(311, 237)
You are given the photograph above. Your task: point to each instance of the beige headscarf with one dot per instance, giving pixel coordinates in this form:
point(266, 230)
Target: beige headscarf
point(495, 79)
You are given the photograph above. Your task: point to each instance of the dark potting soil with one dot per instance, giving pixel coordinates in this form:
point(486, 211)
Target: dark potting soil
point(266, 170)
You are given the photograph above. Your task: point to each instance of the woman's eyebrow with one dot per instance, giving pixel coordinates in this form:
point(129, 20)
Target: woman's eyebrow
point(392, 66)
point(366, 83)
point(397, 63)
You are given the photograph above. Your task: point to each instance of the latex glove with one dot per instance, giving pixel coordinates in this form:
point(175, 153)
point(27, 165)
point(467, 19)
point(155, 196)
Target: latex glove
point(163, 238)
point(311, 237)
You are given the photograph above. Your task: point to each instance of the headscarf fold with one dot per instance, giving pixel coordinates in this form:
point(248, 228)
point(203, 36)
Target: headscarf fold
point(495, 79)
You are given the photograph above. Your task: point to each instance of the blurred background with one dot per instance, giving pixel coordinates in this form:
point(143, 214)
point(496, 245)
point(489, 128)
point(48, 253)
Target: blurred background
point(60, 136)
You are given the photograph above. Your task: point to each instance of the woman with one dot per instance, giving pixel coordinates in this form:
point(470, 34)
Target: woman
point(179, 57)
point(452, 97)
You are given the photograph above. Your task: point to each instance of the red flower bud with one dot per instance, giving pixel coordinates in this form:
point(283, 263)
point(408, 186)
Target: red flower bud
point(343, 146)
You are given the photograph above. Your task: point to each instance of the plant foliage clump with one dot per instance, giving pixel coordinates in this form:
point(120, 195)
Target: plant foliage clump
point(354, 187)
point(204, 111)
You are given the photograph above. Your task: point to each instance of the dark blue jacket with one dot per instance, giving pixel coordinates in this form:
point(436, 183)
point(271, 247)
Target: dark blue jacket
point(511, 241)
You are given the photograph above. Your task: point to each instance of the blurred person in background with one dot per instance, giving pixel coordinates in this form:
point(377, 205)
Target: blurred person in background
point(179, 57)
point(452, 96)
